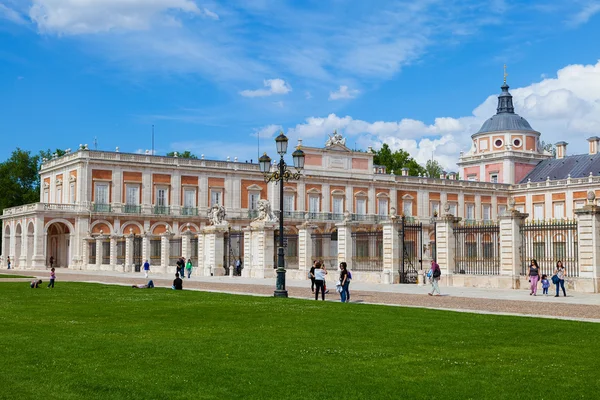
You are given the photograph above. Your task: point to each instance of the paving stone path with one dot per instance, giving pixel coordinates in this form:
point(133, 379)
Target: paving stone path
point(583, 307)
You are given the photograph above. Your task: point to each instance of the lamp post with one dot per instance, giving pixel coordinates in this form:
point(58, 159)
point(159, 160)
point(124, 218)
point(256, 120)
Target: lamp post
point(280, 175)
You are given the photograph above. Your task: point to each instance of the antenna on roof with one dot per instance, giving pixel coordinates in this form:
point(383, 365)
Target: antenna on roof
point(152, 139)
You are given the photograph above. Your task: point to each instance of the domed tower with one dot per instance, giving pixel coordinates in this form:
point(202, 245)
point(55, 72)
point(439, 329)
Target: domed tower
point(505, 149)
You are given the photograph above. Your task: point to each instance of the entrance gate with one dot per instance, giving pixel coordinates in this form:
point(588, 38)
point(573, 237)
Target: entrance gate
point(411, 248)
point(234, 249)
point(137, 253)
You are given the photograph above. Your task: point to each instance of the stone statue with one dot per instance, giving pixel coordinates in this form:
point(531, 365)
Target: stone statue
point(511, 203)
point(336, 138)
point(446, 207)
point(347, 216)
point(265, 213)
point(216, 215)
point(591, 196)
point(393, 213)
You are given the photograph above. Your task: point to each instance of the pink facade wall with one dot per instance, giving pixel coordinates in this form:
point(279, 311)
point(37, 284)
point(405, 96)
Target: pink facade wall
point(470, 171)
point(313, 159)
point(360, 163)
point(521, 171)
point(496, 167)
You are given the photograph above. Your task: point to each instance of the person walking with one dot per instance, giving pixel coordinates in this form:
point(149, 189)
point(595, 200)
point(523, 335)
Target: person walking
point(436, 272)
point(52, 278)
point(146, 269)
point(560, 273)
point(238, 267)
point(344, 282)
point(534, 276)
point(319, 274)
point(188, 267)
point(8, 261)
point(311, 276)
point(181, 267)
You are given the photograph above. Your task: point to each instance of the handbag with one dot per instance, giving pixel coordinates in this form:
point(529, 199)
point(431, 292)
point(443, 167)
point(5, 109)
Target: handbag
point(555, 279)
point(338, 288)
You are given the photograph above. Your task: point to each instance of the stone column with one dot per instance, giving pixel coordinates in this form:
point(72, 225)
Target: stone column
point(38, 260)
point(345, 244)
point(305, 247)
point(446, 246)
point(99, 240)
point(186, 247)
point(588, 233)
point(203, 266)
point(510, 249)
point(165, 250)
point(213, 238)
point(146, 247)
point(391, 251)
point(248, 260)
point(262, 249)
point(113, 253)
point(85, 252)
point(129, 253)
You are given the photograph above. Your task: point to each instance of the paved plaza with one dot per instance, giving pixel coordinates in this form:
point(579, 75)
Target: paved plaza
point(576, 306)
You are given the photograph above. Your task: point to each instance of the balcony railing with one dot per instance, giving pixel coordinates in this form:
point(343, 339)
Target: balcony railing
point(103, 208)
point(132, 209)
point(189, 211)
point(162, 210)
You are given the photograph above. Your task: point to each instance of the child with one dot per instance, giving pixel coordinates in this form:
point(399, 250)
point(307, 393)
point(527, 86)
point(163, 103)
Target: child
point(52, 278)
point(545, 284)
point(35, 284)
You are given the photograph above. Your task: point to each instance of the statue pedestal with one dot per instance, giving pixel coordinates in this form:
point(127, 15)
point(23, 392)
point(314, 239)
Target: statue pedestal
point(211, 250)
point(259, 255)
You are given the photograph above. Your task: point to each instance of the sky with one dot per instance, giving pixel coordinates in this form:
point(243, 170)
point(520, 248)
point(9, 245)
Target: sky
point(222, 78)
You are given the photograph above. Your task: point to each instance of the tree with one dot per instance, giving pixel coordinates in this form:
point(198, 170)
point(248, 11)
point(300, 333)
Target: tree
point(19, 179)
point(433, 169)
point(549, 147)
point(185, 154)
point(395, 161)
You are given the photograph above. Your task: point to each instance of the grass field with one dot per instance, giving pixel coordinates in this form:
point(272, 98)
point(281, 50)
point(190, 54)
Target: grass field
point(82, 341)
point(8, 276)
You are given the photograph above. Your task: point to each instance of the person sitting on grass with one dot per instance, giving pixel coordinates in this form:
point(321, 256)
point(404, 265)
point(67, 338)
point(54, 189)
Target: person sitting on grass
point(177, 283)
point(35, 284)
point(149, 285)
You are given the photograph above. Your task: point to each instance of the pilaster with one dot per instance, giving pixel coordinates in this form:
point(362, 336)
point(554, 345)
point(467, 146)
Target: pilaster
point(446, 246)
point(391, 251)
point(510, 248)
point(305, 246)
point(345, 244)
point(588, 233)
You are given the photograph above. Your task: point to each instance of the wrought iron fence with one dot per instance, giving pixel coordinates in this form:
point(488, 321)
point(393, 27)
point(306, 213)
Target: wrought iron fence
point(477, 249)
point(367, 251)
point(549, 242)
point(155, 252)
point(234, 249)
point(290, 248)
point(194, 251)
point(92, 252)
point(106, 252)
point(174, 251)
point(411, 249)
point(324, 248)
point(121, 251)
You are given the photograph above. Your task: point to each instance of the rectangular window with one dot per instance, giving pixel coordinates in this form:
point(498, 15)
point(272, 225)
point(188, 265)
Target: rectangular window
point(253, 200)
point(470, 211)
point(435, 208)
point(579, 204)
point(407, 208)
point(501, 210)
point(472, 178)
point(59, 195)
point(189, 198)
point(487, 212)
point(215, 197)
point(494, 178)
point(361, 206)
point(538, 211)
point(453, 208)
point(101, 193)
point(520, 208)
point(383, 206)
point(132, 196)
point(72, 193)
point(559, 210)
point(288, 202)
point(46, 196)
point(313, 204)
point(162, 197)
point(338, 205)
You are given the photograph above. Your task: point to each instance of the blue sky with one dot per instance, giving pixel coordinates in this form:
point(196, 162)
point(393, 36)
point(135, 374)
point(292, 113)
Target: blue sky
point(212, 75)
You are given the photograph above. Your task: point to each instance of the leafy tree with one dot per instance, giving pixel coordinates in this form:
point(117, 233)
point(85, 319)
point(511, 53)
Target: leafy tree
point(433, 169)
point(395, 161)
point(19, 179)
point(549, 147)
point(185, 154)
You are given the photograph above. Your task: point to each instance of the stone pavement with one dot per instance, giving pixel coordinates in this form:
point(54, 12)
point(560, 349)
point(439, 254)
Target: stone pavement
point(576, 306)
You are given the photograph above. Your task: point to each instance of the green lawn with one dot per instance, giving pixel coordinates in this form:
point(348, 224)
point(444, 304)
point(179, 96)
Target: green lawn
point(81, 341)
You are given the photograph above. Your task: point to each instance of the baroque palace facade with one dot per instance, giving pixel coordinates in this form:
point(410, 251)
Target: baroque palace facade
point(105, 210)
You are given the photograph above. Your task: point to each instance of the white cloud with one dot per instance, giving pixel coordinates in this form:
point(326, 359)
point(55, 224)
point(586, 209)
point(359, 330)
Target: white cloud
point(11, 15)
point(273, 86)
point(343, 93)
point(267, 132)
point(567, 106)
point(588, 10)
point(73, 17)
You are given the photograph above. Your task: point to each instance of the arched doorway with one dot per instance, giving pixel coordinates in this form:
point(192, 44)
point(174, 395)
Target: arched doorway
point(6, 245)
point(58, 247)
point(18, 244)
point(30, 234)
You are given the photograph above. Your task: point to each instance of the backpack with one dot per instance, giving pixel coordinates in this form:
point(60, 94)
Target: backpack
point(437, 273)
point(349, 275)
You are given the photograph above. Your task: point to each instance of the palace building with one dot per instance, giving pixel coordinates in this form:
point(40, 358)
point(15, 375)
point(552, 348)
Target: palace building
point(102, 210)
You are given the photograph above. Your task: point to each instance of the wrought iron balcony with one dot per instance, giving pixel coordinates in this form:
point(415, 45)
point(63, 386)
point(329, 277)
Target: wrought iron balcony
point(189, 211)
point(162, 210)
point(132, 209)
point(102, 208)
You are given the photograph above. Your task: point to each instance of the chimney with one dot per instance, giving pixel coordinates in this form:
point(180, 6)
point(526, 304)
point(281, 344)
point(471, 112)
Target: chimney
point(561, 149)
point(452, 176)
point(593, 145)
point(443, 176)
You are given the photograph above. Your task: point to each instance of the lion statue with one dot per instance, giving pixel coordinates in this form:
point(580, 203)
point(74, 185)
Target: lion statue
point(264, 211)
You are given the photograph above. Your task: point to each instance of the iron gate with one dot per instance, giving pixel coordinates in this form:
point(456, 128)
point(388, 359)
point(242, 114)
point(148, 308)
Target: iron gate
point(477, 249)
point(411, 248)
point(234, 249)
point(548, 242)
point(137, 253)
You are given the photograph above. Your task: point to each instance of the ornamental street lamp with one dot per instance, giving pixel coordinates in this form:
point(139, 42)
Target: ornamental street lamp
point(280, 175)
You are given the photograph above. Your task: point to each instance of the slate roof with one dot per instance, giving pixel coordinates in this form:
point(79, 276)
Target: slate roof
point(505, 118)
point(578, 166)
